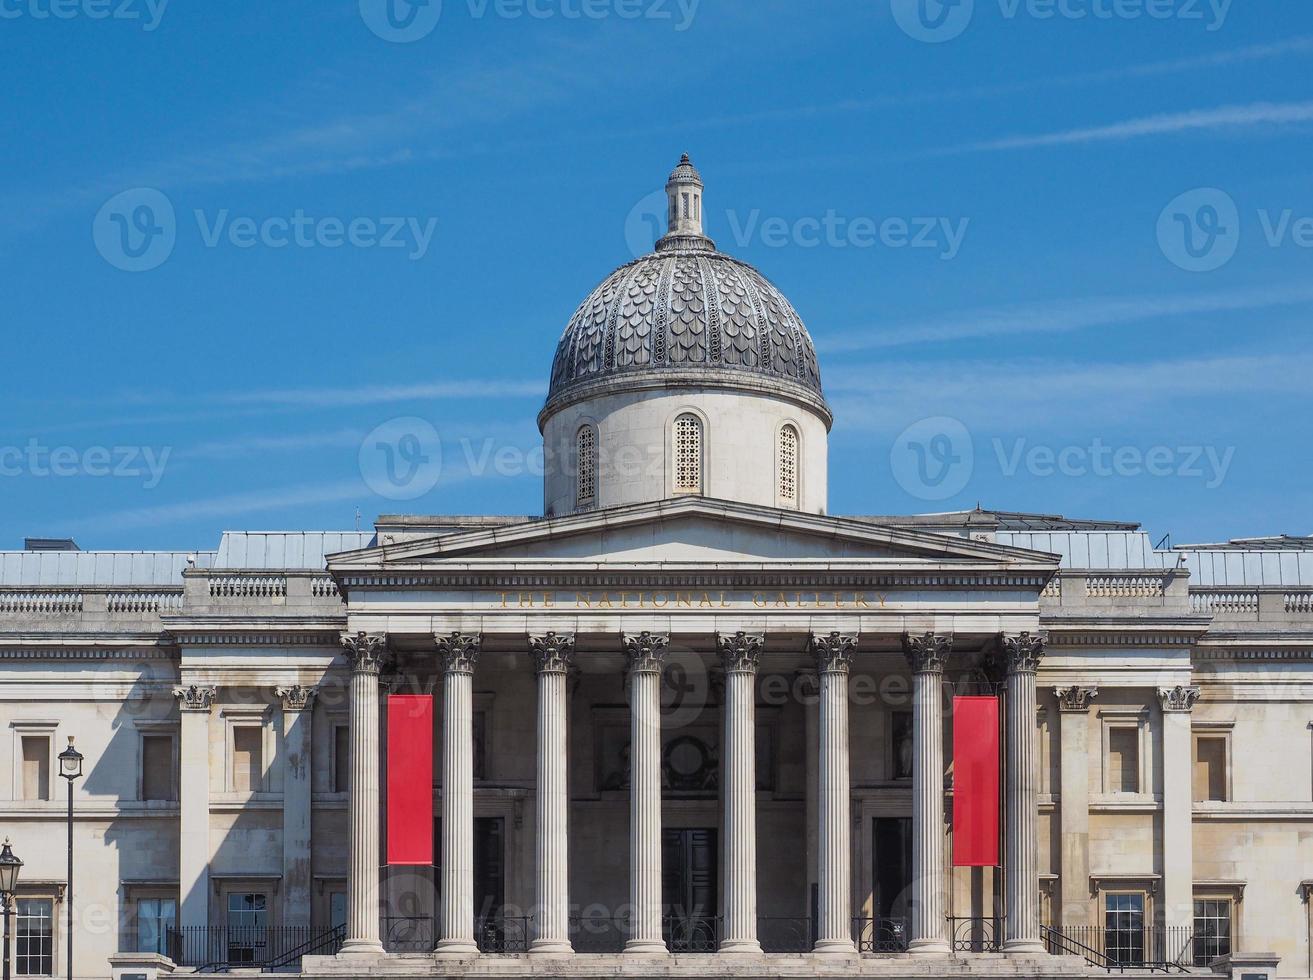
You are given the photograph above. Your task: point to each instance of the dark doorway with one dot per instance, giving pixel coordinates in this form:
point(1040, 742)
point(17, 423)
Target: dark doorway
point(893, 866)
point(489, 883)
point(688, 889)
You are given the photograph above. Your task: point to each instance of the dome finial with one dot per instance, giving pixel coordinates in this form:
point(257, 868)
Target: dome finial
point(684, 192)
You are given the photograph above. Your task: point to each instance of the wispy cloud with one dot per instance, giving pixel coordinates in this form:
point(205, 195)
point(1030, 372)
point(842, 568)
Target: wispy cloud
point(333, 397)
point(1233, 117)
point(1066, 316)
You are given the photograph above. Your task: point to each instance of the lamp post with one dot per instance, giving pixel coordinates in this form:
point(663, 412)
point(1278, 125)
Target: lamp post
point(9, 866)
point(70, 767)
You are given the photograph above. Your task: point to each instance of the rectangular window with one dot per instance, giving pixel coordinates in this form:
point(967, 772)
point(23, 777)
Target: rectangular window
point(157, 767)
point(1212, 930)
point(156, 919)
point(341, 758)
point(1210, 768)
point(36, 767)
point(247, 927)
point(247, 761)
point(1123, 760)
point(1123, 927)
point(34, 938)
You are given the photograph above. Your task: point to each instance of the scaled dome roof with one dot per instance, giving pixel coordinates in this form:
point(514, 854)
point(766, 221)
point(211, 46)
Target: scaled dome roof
point(686, 313)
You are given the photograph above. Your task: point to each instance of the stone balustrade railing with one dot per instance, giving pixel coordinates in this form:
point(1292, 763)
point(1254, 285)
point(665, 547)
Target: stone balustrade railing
point(243, 585)
point(41, 603)
point(1224, 602)
point(1136, 586)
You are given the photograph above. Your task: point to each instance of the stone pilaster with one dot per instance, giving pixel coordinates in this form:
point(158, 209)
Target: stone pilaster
point(926, 655)
point(1074, 801)
point(298, 704)
point(460, 655)
point(740, 655)
point(833, 653)
point(644, 655)
point(808, 686)
point(1022, 653)
point(366, 652)
point(554, 657)
point(194, 703)
point(1178, 805)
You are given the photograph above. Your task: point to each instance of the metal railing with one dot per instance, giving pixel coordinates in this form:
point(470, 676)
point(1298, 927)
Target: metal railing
point(1153, 948)
point(881, 934)
point(785, 933)
point(691, 933)
point(216, 949)
point(598, 933)
point(975, 934)
point(502, 934)
point(408, 933)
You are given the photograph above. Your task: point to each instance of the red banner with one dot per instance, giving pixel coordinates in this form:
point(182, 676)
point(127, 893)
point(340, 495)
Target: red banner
point(975, 782)
point(410, 779)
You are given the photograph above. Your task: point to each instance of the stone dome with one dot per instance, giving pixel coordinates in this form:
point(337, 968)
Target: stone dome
point(686, 314)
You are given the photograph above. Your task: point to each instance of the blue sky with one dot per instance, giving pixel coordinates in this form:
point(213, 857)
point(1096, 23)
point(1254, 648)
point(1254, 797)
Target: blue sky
point(1055, 256)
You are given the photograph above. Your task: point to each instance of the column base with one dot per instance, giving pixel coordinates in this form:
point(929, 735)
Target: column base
point(456, 949)
point(1025, 947)
point(646, 947)
point(928, 947)
point(740, 947)
point(361, 947)
point(834, 947)
point(551, 947)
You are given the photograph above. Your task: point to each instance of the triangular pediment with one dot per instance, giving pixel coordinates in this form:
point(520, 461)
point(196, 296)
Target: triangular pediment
point(693, 531)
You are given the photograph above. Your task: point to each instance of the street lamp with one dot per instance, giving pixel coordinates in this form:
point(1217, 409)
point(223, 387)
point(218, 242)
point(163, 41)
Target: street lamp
point(9, 866)
point(70, 767)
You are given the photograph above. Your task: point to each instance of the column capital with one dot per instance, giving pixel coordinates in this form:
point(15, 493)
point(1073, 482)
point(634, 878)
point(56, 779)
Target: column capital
point(196, 697)
point(740, 652)
point(296, 697)
point(833, 652)
point(1075, 698)
point(1023, 651)
point(459, 652)
point(928, 652)
point(365, 651)
point(1178, 698)
point(553, 652)
point(645, 652)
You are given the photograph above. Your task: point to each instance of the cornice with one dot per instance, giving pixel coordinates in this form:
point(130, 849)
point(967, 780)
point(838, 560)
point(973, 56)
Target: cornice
point(263, 636)
point(787, 576)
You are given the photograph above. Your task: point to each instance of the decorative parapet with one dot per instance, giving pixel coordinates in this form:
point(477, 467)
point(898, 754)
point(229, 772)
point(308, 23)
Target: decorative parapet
point(1222, 602)
point(244, 585)
point(119, 603)
point(1179, 698)
point(45, 603)
point(1126, 586)
point(323, 587)
point(1300, 603)
point(1054, 589)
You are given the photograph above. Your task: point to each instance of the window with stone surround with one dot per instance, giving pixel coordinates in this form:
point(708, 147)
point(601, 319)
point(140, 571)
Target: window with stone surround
point(1125, 763)
point(34, 937)
point(246, 772)
point(1123, 927)
point(688, 454)
point(787, 465)
point(157, 768)
point(1210, 768)
point(1212, 929)
point(586, 460)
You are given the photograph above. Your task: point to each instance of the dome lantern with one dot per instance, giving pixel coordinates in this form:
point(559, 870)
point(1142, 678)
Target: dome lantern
point(684, 193)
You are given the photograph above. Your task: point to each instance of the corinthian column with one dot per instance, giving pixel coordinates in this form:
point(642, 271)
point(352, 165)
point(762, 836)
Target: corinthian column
point(366, 653)
point(194, 703)
point(298, 704)
point(1023, 653)
point(926, 655)
point(554, 656)
point(644, 654)
point(833, 655)
point(459, 655)
point(740, 655)
point(1178, 806)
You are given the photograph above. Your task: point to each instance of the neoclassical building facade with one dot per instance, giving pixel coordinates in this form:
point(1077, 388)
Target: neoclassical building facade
point(685, 722)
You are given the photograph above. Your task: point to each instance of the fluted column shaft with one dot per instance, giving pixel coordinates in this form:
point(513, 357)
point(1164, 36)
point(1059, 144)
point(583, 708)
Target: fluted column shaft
point(366, 654)
point(645, 654)
point(1021, 840)
point(834, 913)
point(927, 655)
point(740, 655)
point(459, 655)
point(551, 925)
